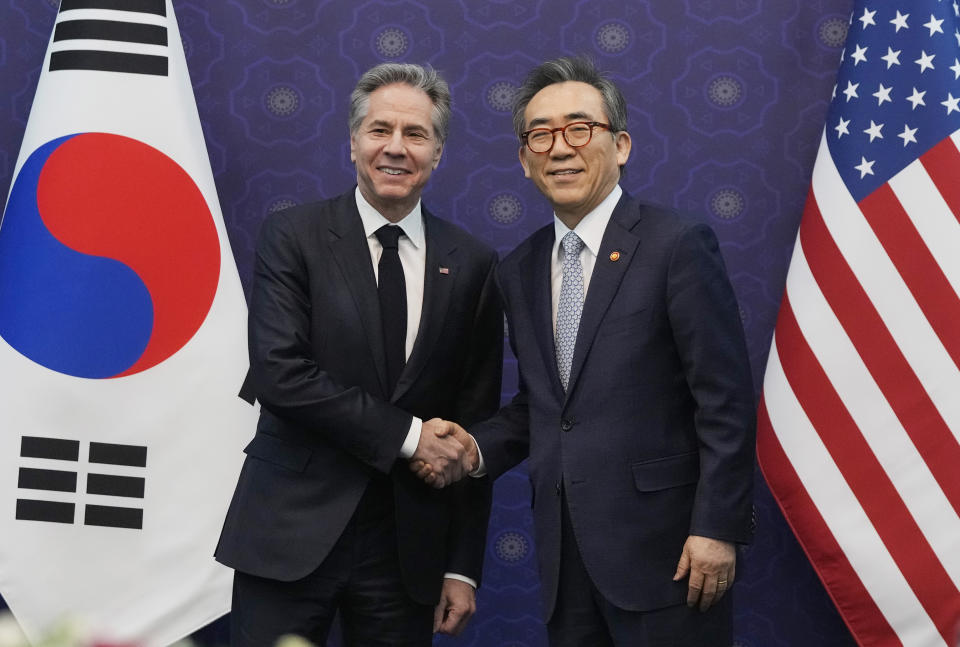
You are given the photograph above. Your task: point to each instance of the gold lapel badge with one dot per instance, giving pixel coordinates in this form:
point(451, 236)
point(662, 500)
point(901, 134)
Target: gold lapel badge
point(614, 256)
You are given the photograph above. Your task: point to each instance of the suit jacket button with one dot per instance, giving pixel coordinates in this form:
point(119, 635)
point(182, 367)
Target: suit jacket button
point(566, 425)
point(558, 488)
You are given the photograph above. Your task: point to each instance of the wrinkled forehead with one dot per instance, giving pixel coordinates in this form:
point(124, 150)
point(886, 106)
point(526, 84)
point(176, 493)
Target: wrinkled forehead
point(399, 102)
point(561, 103)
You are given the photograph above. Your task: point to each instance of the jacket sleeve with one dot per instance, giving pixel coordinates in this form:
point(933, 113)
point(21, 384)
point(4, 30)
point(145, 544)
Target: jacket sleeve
point(478, 397)
point(286, 377)
point(504, 439)
point(705, 321)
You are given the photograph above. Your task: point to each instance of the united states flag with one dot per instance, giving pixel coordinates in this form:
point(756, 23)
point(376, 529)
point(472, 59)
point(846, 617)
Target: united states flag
point(860, 416)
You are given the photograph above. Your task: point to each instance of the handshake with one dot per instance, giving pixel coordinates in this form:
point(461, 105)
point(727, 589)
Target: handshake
point(446, 453)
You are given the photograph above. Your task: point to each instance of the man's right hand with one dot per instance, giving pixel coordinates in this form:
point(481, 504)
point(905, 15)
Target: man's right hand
point(440, 458)
point(469, 461)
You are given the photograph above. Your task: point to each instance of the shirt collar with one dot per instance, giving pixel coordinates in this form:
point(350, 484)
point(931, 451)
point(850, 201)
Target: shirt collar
point(590, 229)
point(412, 223)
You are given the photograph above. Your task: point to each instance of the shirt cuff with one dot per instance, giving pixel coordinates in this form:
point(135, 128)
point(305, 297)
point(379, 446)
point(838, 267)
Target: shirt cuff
point(409, 445)
point(462, 578)
point(481, 466)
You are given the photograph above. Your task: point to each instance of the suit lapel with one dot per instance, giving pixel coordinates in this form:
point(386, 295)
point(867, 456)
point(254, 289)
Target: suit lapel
point(538, 290)
point(352, 254)
point(620, 243)
point(440, 277)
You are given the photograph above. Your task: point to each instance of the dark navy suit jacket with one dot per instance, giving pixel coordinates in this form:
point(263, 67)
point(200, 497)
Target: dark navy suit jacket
point(654, 439)
point(328, 423)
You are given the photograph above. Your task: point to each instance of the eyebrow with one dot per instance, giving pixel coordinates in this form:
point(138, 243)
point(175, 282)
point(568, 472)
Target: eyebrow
point(380, 123)
point(572, 116)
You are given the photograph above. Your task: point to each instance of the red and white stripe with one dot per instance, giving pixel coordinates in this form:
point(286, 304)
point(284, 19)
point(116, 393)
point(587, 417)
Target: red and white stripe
point(860, 417)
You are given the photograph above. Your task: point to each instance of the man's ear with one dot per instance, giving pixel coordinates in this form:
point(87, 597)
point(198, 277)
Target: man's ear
point(353, 146)
point(522, 154)
point(623, 144)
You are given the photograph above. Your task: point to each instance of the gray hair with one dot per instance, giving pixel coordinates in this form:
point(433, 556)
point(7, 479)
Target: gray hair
point(570, 68)
point(418, 76)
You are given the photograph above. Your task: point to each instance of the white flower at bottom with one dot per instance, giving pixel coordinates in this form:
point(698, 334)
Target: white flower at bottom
point(291, 640)
point(10, 633)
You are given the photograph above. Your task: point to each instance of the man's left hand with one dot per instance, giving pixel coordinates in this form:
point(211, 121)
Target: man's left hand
point(456, 607)
point(711, 565)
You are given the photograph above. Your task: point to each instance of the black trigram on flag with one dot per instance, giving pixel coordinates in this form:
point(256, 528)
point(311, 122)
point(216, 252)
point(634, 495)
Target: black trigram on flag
point(121, 38)
point(100, 456)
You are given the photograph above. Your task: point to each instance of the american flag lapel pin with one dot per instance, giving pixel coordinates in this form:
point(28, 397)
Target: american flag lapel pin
point(444, 270)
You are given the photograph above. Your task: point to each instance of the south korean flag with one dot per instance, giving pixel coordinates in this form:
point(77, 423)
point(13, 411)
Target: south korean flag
point(122, 341)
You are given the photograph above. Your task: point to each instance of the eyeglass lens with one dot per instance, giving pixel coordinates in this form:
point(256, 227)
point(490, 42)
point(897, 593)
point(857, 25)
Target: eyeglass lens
point(576, 134)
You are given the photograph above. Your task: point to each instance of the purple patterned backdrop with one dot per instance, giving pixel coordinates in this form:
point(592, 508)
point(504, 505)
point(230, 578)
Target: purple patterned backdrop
point(727, 100)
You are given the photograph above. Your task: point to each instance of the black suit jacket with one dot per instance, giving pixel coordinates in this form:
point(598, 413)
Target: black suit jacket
point(653, 440)
point(328, 424)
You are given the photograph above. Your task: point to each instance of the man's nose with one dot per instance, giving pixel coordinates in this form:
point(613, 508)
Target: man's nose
point(395, 145)
point(560, 147)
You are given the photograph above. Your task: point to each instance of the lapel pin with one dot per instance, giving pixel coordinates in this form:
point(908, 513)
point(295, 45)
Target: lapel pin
point(444, 270)
point(614, 256)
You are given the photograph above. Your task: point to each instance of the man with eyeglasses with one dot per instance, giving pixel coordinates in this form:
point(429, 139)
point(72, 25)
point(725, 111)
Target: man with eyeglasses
point(635, 404)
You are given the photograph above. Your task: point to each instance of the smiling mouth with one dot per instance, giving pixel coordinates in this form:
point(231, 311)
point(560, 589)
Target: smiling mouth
point(393, 171)
point(565, 172)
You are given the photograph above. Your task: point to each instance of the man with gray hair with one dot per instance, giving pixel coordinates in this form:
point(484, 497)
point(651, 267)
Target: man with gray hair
point(371, 322)
point(635, 404)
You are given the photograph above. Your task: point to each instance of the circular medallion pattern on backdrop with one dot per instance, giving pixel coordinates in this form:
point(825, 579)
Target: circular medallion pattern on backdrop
point(282, 101)
point(392, 42)
point(505, 208)
point(832, 31)
point(613, 37)
point(500, 96)
point(727, 203)
point(511, 546)
point(725, 90)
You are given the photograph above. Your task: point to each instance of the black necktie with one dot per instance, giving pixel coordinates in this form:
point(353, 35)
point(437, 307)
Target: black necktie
point(392, 291)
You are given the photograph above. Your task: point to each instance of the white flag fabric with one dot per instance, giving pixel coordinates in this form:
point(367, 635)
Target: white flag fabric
point(122, 340)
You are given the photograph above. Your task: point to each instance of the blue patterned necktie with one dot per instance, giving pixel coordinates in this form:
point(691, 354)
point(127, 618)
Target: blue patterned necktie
point(570, 306)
